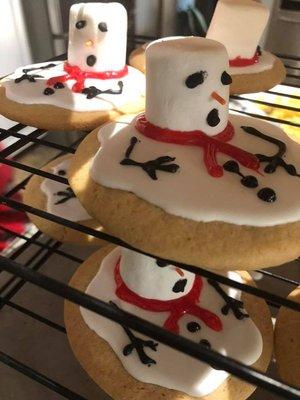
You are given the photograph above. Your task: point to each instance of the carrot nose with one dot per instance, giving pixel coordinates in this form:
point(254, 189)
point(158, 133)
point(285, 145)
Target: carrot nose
point(218, 98)
point(179, 271)
point(89, 43)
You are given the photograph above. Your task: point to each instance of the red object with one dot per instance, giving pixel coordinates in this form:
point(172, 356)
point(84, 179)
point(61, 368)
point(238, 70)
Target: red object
point(6, 175)
point(12, 220)
point(210, 145)
point(244, 62)
point(187, 304)
point(77, 74)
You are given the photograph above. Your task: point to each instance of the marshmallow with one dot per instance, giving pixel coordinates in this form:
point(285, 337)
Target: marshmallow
point(98, 36)
point(184, 84)
point(239, 25)
point(150, 279)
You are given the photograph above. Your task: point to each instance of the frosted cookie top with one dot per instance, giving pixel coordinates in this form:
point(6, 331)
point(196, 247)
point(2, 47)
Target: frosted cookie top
point(187, 84)
point(98, 36)
point(199, 309)
point(239, 25)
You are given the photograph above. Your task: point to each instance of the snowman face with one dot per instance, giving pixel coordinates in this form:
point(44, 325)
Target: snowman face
point(153, 279)
point(97, 36)
point(188, 85)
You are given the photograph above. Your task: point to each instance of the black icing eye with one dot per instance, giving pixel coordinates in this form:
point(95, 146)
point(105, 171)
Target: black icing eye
point(61, 172)
point(80, 24)
point(226, 78)
point(161, 263)
point(102, 27)
point(195, 79)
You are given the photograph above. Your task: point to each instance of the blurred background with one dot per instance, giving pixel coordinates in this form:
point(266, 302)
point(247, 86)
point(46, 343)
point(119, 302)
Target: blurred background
point(33, 31)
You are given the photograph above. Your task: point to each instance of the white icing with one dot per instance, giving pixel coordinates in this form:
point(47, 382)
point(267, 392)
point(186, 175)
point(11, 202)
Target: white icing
point(191, 192)
point(239, 25)
point(71, 209)
point(266, 62)
point(108, 47)
point(239, 339)
point(143, 276)
point(169, 102)
point(33, 92)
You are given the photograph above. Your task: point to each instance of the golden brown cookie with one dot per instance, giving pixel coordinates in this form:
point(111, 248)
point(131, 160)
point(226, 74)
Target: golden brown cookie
point(241, 83)
point(101, 363)
point(55, 118)
point(287, 342)
point(213, 245)
point(35, 197)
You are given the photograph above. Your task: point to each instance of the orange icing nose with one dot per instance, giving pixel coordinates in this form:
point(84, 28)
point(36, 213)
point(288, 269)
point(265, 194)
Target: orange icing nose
point(89, 43)
point(179, 271)
point(218, 98)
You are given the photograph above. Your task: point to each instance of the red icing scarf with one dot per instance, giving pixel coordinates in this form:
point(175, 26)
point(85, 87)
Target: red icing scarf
point(244, 62)
point(187, 304)
point(210, 145)
point(75, 73)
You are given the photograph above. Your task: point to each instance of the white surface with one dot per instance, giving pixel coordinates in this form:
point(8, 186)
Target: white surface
point(191, 192)
point(108, 47)
point(239, 25)
point(169, 102)
point(239, 339)
point(33, 92)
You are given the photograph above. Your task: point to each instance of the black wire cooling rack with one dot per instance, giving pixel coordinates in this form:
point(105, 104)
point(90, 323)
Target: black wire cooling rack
point(22, 274)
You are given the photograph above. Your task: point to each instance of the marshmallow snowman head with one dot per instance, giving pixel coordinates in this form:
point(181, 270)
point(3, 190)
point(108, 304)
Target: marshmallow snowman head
point(187, 84)
point(239, 25)
point(152, 279)
point(98, 36)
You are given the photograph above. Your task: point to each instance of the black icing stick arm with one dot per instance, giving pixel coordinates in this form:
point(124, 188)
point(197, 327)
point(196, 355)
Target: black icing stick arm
point(137, 344)
point(236, 306)
point(164, 163)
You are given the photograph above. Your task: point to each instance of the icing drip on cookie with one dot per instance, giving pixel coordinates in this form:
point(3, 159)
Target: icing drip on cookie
point(169, 368)
point(61, 199)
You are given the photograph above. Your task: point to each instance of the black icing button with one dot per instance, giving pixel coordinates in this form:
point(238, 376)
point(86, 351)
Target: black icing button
point(205, 343)
point(59, 85)
point(91, 60)
point(48, 91)
point(249, 181)
point(268, 195)
point(62, 172)
point(226, 78)
point(193, 327)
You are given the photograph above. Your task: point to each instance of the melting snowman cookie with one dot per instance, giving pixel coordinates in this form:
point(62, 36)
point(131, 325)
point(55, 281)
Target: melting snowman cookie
point(94, 79)
point(142, 286)
point(61, 200)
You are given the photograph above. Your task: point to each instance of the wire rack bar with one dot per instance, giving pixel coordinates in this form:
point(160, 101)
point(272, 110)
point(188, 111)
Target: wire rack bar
point(38, 377)
point(157, 333)
point(266, 103)
point(279, 277)
point(292, 96)
point(271, 119)
point(20, 143)
point(33, 315)
point(104, 236)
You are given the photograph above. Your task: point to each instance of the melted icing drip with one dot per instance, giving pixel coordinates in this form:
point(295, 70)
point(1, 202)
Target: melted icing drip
point(187, 304)
point(73, 72)
point(244, 62)
point(48, 66)
point(193, 327)
point(92, 91)
point(137, 344)
point(65, 195)
point(232, 304)
point(48, 91)
point(210, 145)
point(152, 166)
point(276, 160)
